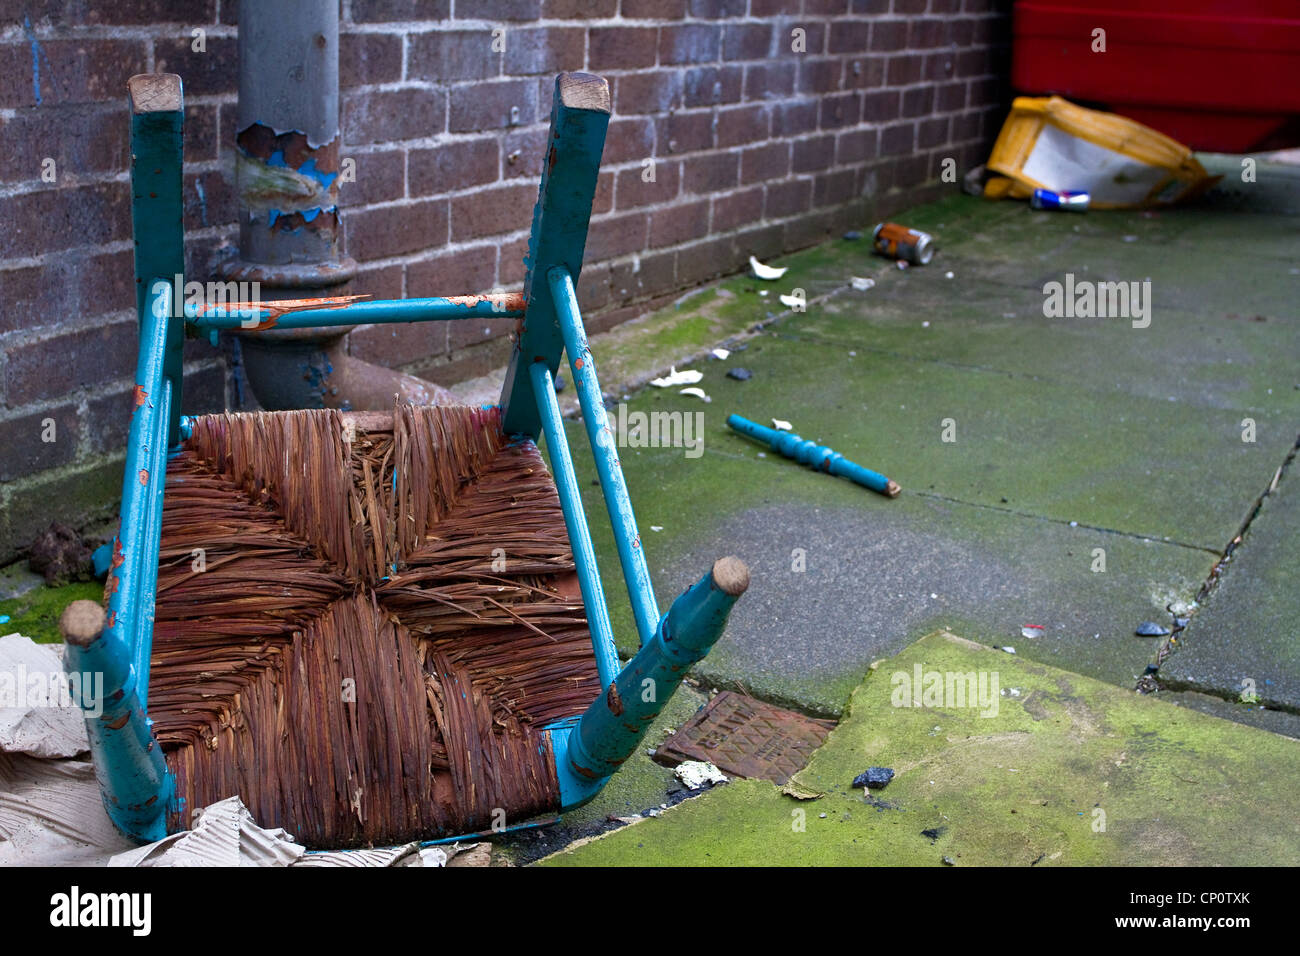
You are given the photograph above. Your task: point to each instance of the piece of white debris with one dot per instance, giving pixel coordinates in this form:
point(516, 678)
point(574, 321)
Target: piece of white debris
point(947, 275)
point(782, 426)
point(762, 292)
point(687, 376)
point(793, 301)
point(1009, 650)
point(861, 284)
point(696, 773)
point(925, 324)
point(656, 527)
point(1031, 631)
point(697, 392)
point(767, 273)
point(721, 354)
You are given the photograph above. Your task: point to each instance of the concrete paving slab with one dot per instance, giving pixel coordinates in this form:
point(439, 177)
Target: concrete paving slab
point(1068, 771)
point(1245, 637)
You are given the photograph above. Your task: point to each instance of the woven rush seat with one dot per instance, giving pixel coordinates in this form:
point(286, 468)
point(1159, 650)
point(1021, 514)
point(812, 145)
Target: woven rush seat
point(363, 623)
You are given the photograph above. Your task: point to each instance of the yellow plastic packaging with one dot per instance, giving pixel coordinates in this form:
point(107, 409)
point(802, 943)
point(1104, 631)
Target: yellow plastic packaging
point(1050, 143)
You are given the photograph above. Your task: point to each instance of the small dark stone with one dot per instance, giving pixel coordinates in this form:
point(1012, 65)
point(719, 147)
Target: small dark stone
point(739, 374)
point(853, 235)
point(1181, 622)
point(596, 482)
point(61, 556)
point(934, 833)
point(874, 777)
point(559, 383)
point(1151, 629)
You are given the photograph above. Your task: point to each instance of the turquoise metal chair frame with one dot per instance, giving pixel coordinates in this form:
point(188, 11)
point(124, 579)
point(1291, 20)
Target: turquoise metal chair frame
point(137, 785)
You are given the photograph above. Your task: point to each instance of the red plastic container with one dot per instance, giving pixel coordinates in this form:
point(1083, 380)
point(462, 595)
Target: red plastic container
point(1218, 75)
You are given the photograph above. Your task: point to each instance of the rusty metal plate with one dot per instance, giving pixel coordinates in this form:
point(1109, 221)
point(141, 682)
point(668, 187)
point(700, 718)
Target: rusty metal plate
point(745, 737)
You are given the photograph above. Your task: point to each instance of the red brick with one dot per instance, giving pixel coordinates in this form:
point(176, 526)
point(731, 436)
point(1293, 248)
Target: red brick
point(90, 139)
point(492, 212)
point(711, 85)
point(23, 439)
point(653, 9)
point(633, 190)
point(824, 8)
point(905, 69)
point(794, 118)
point(717, 9)
point(769, 80)
point(711, 173)
point(888, 35)
point(621, 48)
point(841, 110)
point(80, 283)
point(834, 188)
point(480, 106)
point(880, 106)
point(396, 344)
point(735, 209)
point(939, 66)
point(918, 101)
point(454, 56)
point(208, 199)
point(679, 223)
point(855, 146)
point(813, 154)
point(926, 34)
point(578, 9)
point(549, 50)
point(787, 199)
point(72, 71)
point(848, 36)
point(380, 177)
point(931, 133)
point(865, 72)
point(651, 91)
point(645, 275)
point(628, 139)
point(690, 43)
point(603, 200)
point(820, 76)
point(742, 125)
point(387, 11)
point(396, 230)
point(747, 41)
point(368, 58)
point(767, 162)
point(708, 260)
point(897, 139)
point(453, 165)
point(524, 152)
point(686, 132)
point(201, 136)
point(61, 364)
point(202, 73)
point(615, 236)
point(468, 270)
point(390, 115)
point(510, 263)
point(49, 219)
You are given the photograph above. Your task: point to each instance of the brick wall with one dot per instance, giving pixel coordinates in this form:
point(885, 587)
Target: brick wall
point(756, 147)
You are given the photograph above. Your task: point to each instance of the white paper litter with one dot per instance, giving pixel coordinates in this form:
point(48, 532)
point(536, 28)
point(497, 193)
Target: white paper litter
point(37, 714)
point(861, 284)
point(688, 376)
point(768, 273)
point(697, 392)
point(721, 354)
point(793, 301)
point(696, 773)
point(782, 426)
point(225, 834)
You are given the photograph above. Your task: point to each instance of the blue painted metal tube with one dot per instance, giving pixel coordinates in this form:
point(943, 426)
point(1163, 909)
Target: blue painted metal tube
point(816, 457)
point(575, 521)
point(133, 777)
point(645, 609)
point(615, 723)
point(133, 573)
point(387, 310)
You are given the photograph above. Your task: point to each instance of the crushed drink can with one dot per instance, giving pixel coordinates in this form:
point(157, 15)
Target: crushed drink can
point(898, 242)
point(1070, 201)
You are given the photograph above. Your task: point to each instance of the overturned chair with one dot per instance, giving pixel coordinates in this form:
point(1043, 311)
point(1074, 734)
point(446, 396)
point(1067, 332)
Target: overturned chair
point(372, 627)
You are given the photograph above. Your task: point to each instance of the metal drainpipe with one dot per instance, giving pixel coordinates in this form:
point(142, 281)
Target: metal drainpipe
point(287, 177)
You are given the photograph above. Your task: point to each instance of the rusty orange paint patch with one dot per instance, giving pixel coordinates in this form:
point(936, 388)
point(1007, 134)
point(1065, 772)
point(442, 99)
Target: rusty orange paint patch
point(144, 476)
point(140, 395)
